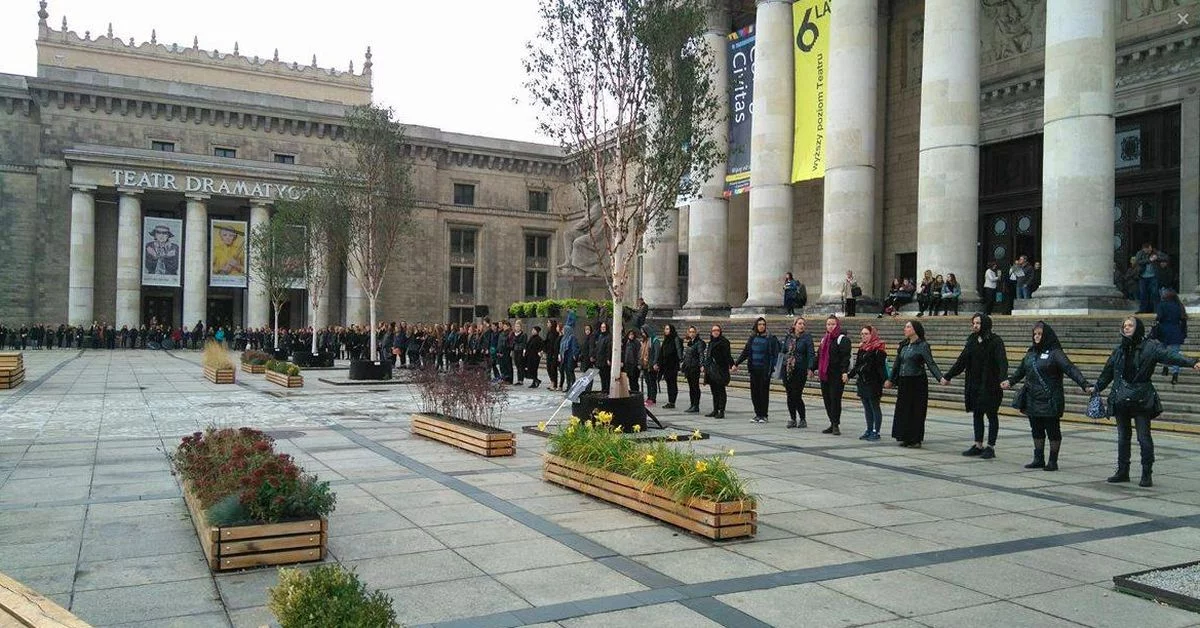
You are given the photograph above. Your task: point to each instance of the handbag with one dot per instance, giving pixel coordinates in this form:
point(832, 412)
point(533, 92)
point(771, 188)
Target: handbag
point(1021, 399)
point(1095, 407)
point(855, 291)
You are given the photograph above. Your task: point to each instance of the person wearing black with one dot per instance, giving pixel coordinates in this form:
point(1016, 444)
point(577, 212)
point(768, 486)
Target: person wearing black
point(640, 314)
point(833, 363)
point(505, 341)
point(568, 352)
point(667, 366)
point(533, 356)
point(693, 356)
point(908, 375)
point(986, 364)
point(1042, 399)
point(647, 360)
point(551, 347)
point(798, 361)
point(602, 355)
point(761, 350)
point(587, 350)
point(869, 372)
point(1133, 397)
point(631, 353)
point(718, 358)
point(791, 294)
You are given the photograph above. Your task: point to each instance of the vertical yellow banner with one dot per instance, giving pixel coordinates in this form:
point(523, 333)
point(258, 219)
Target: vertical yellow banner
point(810, 24)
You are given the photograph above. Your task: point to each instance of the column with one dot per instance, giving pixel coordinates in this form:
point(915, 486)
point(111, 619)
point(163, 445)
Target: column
point(948, 184)
point(357, 310)
point(195, 261)
point(82, 269)
point(771, 132)
point(129, 258)
point(708, 216)
point(258, 304)
point(1078, 159)
point(848, 222)
point(1189, 197)
point(660, 263)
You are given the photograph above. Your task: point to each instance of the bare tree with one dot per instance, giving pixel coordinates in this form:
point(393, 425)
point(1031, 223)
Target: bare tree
point(371, 195)
point(311, 220)
point(625, 87)
point(274, 264)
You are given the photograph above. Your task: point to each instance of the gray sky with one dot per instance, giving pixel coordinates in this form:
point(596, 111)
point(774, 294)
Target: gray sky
point(452, 65)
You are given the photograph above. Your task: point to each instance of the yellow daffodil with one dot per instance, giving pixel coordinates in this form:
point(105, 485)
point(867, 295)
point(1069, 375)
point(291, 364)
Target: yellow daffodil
point(574, 420)
point(649, 459)
point(542, 426)
point(697, 435)
point(701, 466)
point(730, 452)
point(637, 428)
point(673, 437)
point(604, 417)
point(617, 430)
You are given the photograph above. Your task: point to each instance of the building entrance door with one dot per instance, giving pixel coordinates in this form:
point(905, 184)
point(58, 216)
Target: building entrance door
point(158, 310)
point(220, 312)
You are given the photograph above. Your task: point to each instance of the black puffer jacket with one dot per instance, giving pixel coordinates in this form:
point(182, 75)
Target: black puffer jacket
point(1129, 370)
point(1042, 369)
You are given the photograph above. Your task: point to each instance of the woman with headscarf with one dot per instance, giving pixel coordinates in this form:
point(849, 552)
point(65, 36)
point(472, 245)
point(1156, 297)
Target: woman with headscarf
point(833, 363)
point(1133, 397)
point(1043, 368)
point(718, 358)
point(986, 363)
point(670, 353)
point(869, 373)
point(908, 375)
point(799, 359)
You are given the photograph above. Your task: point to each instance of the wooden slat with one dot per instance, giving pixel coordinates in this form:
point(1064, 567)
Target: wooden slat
point(204, 532)
point(460, 434)
point(256, 545)
point(22, 606)
point(464, 429)
point(11, 379)
point(237, 533)
point(286, 381)
point(490, 452)
point(707, 505)
point(263, 559)
point(270, 544)
point(219, 376)
point(256, 369)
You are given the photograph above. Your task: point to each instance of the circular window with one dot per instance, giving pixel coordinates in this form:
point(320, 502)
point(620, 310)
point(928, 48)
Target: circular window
point(1000, 227)
point(1117, 214)
point(1024, 224)
point(999, 252)
point(1117, 242)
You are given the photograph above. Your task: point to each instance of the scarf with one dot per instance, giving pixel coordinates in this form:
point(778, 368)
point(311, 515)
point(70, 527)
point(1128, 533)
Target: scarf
point(874, 343)
point(826, 349)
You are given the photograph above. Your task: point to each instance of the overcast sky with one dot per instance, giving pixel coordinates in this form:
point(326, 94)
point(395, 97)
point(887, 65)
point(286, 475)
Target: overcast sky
point(452, 65)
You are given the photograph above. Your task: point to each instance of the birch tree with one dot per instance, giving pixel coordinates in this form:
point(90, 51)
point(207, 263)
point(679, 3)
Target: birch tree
point(311, 220)
point(625, 86)
point(274, 265)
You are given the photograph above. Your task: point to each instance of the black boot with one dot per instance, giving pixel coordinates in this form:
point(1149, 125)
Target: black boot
point(1052, 464)
point(1122, 474)
point(713, 414)
point(720, 414)
point(692, 409)
point(1146, 482)
point(1039, 460)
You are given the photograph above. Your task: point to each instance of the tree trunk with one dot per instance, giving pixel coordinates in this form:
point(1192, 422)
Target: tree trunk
point(371, 305)
point(314, 326)
point(277, 308)
point(616, 331)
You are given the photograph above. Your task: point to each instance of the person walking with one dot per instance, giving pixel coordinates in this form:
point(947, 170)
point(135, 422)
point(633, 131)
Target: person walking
point(718, 358)
point(690, 364)
point(833, 363)
point(1042, 400)
point(908, 377)
point(667, 366)
point(850, 294)
point(869, 373)
point(985, 362)
point(1171, 327)
point(799, 361)
point(791, 294)
point(761, 350)
point(1133, 398)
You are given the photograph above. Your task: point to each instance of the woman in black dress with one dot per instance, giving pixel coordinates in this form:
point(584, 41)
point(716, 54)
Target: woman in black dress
point(908, 376)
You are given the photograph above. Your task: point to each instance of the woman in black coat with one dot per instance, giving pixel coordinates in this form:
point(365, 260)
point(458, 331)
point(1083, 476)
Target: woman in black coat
point(670, 355)
point(869, 373)
point(718, 358)
point(1133, 397)
point(799, 360)
point(602, 355)
point(533, 356)
point(690, 365)
point(631, 351)
point(908, 375)
point(551, 350)
point(986, 364)
point(833, 362)
point(1043, 399)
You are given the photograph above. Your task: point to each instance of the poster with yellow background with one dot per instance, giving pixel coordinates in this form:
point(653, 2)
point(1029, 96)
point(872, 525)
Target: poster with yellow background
point(810, 25)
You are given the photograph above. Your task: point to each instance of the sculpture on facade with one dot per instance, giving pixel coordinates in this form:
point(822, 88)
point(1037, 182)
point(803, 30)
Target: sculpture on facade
point(582, 255)
point(1013, 27)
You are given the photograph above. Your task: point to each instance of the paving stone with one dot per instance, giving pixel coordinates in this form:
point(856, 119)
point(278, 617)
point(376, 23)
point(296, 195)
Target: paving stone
point(147, 602)
point(877, 543)
point(559, 504)
point(365, 522)
point(123, 572)
point(45, 579)
point(1102, 606)
point(893, 590)
point(410, 569)
point(809, 604)
point(998, 614)
point(796, 553)
point(705, 565)
point(383, 543)
point(648, 540)
point(997, 577)
point(566, 583)
point(610, 518)
point(444, 601)
point(1140, 550)
point(1075, 563)
point(458, 535)
point(248, 589)
point(657, 616)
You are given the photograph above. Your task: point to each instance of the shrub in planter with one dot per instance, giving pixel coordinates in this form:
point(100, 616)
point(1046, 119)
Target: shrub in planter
point(466, 393)
point(257, 358)
point(328, 595)
point(216, 356)
point(285, 368)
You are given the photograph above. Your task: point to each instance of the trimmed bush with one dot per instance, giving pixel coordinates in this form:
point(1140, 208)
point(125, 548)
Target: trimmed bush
point(328, 595)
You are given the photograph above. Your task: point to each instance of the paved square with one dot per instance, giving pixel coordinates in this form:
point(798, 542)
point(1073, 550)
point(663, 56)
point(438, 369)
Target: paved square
point(851, 532)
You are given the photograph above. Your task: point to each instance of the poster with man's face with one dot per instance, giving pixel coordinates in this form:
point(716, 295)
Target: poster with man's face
point(162, 251)
point(227, 254)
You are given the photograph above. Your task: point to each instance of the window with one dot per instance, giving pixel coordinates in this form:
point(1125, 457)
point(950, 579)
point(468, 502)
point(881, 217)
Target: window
point(231, 153)
point(462, 315)
point(537, 246)
point(462, 242)
point(166, 147)
point(464, 194)
point(535, 283)
point(281, 158)
point(539, 201)
point(462, 280)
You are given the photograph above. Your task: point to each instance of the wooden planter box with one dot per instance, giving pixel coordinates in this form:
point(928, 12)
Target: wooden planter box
point(219, 376)
point(464, 435)
point(12, 370)
point(287, 381)
point(715, 520)
point(256, 369)
point(22, 606)
point(257, 545)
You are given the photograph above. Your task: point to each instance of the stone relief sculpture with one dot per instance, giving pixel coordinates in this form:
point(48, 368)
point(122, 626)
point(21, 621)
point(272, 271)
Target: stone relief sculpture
point(1012, 27)
point(582, 255)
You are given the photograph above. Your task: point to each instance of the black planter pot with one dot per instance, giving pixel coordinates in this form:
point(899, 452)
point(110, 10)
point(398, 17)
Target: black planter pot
point(280, 354)
point(366, 369)
point(627, 412)
point(305, 359)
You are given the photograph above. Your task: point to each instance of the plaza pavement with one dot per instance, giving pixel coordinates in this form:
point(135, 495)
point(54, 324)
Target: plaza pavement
point(850, 532)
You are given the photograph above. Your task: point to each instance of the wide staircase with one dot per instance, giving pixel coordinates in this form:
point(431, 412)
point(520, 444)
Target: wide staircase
point(1087, 340)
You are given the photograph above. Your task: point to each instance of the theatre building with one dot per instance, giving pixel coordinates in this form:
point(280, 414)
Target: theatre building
point(131, 173)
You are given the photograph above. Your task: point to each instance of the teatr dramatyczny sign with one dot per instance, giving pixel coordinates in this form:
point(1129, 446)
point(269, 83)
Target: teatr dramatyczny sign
point(205, 185)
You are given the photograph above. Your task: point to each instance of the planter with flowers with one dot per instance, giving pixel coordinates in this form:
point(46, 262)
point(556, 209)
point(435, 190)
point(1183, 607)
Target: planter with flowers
point(251, 505)
point(218, 366)
point(462, 408)
point(284, 374)
point(255, 362)
point(701, 494)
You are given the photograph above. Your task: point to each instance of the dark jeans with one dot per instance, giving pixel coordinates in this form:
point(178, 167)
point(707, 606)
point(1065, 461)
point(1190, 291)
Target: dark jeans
point(993, 426)
point(567, 373)
point(831, 393)
point(989, 300)
point(671, 379)
point(1148, 293)
point(795, 398)
point(1045, 427)
point(719, 396)
point(635, 383)
point(506, 367)
point(950, 303)
point(552, 371)
point(693, 380)
point(873, 413)
point(605, 374)
point(650, 376)
point(851, 304)
point(1145, 441)
point(760, 390)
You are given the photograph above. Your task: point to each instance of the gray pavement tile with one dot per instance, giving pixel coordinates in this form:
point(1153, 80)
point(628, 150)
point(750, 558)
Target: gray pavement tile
point(253, 617)
point(39, 491)
point(822, 499)
point(893, 590)
point(45, 579)
point(135, 543)
point(526, 490)
point(948, 507)
point(123, 572)
point(46, 531)
point(810, 522)
point(457, 535)
point(880, 515)
point(1009, 501)
point(1101, 606)
point(216, 619)
point(657, 616)
point(611, 518)
point(35, 472)
point(136, 508)
point(440, 601)
point(798, 553)
point(1075, 563)
point(1183, 537)
point(1140, 550)
point(1155, 506)
point(27, 555)
point(956, 533)
point(425, 499)
point(383, 543)
point(364, 522)
point(503, 477)
point(567, 583)
point(147, 602)
point(559, 504)
point(390, 572)
point(1000, 614)
point(1084, 517)
point(162, 486)
point(805, 604)
point(496, 558)
point(441, 515)
point(879, 543)
point(647, 540)
point(248, 589)
point(1024, 524)
point(357, 504)
point(997, 577)
point(704, 565)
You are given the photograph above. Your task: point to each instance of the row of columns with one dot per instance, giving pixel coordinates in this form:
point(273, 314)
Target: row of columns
point(81, 271)
point(1078, 174)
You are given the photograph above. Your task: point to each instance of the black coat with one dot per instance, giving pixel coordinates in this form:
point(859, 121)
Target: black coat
point(799, 352)
point(602, 353)
point(986, 364)
point(1132, 380)
point(533, 351)
point(718, 357)
point(693, 358)
point(1043, 374)
point(839, 357)
point(869, 373)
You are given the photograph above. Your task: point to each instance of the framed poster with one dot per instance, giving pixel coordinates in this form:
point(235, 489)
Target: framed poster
point(162, 251)
point(227, 253)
